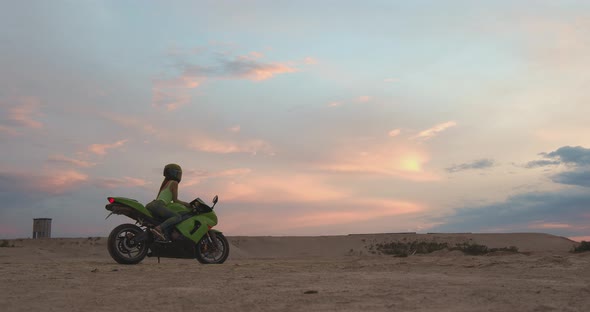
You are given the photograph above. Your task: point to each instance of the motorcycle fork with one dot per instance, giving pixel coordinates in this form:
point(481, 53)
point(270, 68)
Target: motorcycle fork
point(212, 238)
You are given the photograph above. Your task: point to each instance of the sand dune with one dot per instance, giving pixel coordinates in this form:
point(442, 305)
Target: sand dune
point(323, 273)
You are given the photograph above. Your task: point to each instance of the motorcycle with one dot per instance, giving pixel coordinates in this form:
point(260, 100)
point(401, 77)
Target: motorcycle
point(131, 243)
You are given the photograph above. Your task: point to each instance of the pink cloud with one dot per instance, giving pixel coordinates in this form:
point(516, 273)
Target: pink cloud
point(267, 71)
point(25, 111)
point(310, 61)
point(46, 181)
point(184, 81)
point(289, 188)
point(234, 129)
point(363, 99)
point(256, 55)
point(63, 180)
point(338, 211)
point(196, 177)
point(211, 145)
point(173, 93)
point(70, 161)
point(101, 149)
point(404, 162)
point(8, 230)
point(193, 139)
point(334, 104)
point(171, 100)
point(121, 182)
point(549, 225)
point(394, 133)
point(580, 238)
point(8, 130)
point(389, 80)
point(434, 131)
point(144, 126)
point(372, 209)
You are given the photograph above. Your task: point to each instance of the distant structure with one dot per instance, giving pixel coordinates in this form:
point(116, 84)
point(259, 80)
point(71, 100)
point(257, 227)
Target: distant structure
point(41, 228)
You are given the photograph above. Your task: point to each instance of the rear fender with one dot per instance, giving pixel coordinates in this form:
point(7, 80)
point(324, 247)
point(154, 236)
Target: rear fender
point(120, 205)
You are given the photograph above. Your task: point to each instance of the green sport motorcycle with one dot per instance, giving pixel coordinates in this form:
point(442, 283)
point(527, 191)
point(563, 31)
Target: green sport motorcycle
point(131, 243)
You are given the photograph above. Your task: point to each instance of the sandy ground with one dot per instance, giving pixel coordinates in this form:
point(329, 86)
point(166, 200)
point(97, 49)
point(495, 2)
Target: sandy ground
point(333, 273)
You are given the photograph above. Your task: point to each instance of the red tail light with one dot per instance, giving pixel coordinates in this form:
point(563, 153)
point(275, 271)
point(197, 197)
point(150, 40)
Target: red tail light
point(111, 200)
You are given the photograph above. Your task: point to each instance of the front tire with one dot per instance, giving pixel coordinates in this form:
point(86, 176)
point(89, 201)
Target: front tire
point(208, 253)
point(122, 246)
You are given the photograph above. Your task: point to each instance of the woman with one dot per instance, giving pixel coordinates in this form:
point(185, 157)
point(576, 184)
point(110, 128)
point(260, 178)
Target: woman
point(167, 197)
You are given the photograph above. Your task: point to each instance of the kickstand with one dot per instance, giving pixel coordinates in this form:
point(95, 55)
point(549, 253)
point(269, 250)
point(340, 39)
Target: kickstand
point(158, 260)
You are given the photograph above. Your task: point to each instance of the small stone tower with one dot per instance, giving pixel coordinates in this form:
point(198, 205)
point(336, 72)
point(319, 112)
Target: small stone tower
point(41, 228)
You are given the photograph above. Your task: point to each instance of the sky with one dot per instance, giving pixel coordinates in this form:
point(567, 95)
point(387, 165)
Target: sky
point(304, 117)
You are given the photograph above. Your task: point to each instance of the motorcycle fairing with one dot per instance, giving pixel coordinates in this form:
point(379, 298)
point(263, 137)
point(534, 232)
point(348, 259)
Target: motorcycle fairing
point(188, 228)
point(130, 208)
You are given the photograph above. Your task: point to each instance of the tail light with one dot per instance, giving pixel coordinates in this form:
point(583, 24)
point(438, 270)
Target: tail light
point(111, 200)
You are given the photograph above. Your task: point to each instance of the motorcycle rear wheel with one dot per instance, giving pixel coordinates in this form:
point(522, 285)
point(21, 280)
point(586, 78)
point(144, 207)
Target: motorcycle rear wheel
point(123, 248)
point(206, 253)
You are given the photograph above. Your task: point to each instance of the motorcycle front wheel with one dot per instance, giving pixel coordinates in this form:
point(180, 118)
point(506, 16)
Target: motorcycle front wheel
point(215, 251)
point(122, 245)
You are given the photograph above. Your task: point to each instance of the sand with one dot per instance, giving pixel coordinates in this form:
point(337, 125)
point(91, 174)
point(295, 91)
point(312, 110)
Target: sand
point(329, 273)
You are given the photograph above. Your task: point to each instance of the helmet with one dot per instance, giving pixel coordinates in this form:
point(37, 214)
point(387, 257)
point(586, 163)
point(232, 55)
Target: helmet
point(173, 172)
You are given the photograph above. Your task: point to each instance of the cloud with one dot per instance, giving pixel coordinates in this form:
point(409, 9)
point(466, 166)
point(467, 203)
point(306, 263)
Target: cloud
point(577, 156)
point(210, 145)
point(170, 100)
point(310, 61)
point(188, 82)
point(403, 162)
point(579, 178)
point(173, 92)
point(234, 129)
point(193, 139)
point(192, 177)
point(249, 68)
point(60, 159)
point(47, 182)
point(8, 130)
point(541, 163)
point(523, 212)
point(110, 183)
point(24, 113)
point(434, 131)
point(101, 149)
point(568, 155)
point(478, 164)
point(394, 133)
point(548, 225)
point(390, 80)
point(294, 187)
point(144, 126)
point(334, 104)
point(363, 99)
point(320, 218)
point(373, 209)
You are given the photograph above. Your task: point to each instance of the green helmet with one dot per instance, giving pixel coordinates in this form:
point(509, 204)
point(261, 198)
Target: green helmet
point(173, 172)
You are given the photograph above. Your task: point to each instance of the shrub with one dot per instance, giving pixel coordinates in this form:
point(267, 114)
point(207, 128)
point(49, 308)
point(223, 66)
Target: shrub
point(477, 250)
point(584, 246)
point(6, 243)
point(406, 249)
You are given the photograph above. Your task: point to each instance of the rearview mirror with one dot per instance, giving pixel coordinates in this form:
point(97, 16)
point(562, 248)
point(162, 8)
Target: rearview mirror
point(215, 199)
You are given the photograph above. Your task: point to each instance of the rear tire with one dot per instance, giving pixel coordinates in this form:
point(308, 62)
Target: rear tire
point(206, 253)
point(123, 248)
